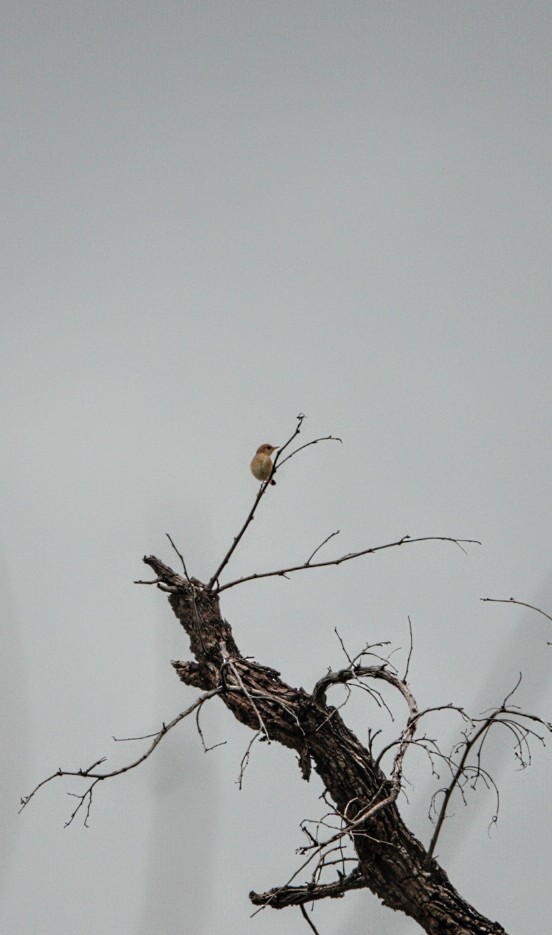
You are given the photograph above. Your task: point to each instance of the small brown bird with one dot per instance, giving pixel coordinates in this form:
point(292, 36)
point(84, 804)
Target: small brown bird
point(261, 465)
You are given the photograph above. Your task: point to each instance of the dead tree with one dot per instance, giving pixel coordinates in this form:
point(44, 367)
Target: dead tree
point(388, 859)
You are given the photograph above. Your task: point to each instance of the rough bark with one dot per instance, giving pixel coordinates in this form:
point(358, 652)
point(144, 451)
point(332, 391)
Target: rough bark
point(393, 863)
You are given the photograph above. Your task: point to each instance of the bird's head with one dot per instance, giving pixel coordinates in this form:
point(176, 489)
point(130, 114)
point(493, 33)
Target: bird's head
point(267, 449)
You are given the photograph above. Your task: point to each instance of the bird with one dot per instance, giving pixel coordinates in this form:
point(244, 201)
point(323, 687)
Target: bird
point(261, 465)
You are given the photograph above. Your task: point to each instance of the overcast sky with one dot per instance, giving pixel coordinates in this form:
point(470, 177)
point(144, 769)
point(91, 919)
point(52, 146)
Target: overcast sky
point(218, 215)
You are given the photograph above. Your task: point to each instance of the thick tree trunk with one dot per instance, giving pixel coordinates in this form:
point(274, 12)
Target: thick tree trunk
point(393, 864)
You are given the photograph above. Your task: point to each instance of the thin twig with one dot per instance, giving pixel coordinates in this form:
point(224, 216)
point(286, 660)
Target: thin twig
point(325, 438)
point(317, 549)
point(181, 557)
point(308, 921)
point(213, 746)
point(245, 759)
point(511, 600)
point(409, 651)
point(342, 644)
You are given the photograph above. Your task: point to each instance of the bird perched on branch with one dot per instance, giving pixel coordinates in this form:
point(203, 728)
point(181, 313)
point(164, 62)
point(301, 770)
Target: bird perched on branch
point(261, 465)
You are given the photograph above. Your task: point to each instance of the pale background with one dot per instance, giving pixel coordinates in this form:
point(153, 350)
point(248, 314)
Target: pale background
point(217, 215)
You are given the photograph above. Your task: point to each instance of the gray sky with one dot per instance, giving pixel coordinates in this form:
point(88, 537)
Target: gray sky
point(218, 215)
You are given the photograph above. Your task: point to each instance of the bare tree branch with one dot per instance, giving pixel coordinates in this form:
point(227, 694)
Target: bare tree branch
point(89, 773)
point(280, 897)
point(282, 572)
point(501, 715)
